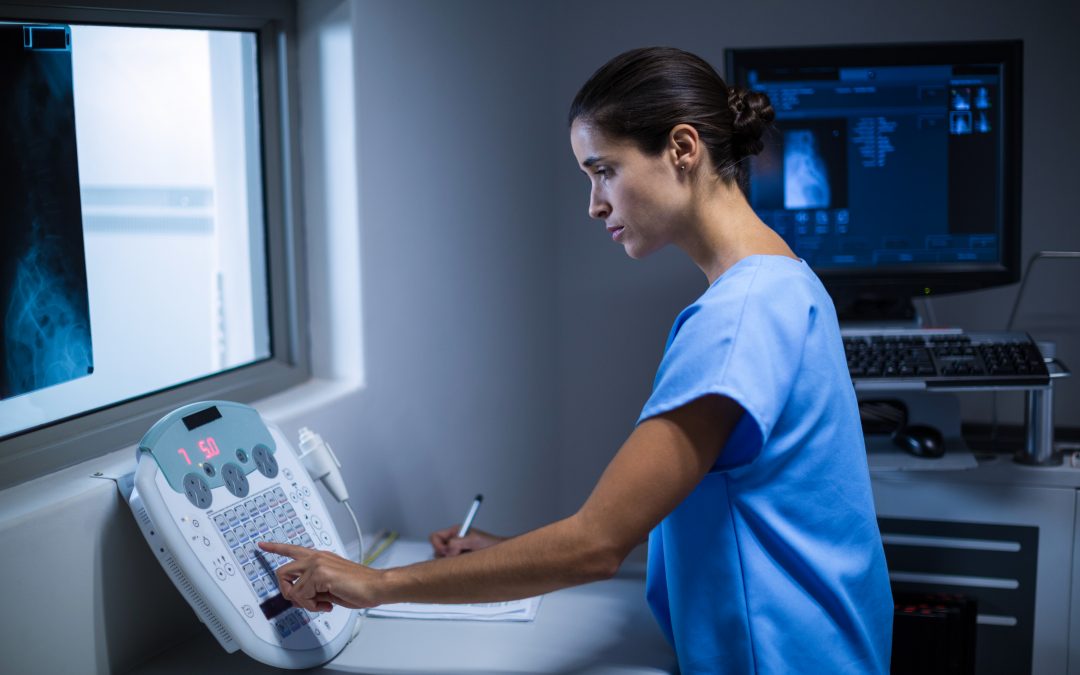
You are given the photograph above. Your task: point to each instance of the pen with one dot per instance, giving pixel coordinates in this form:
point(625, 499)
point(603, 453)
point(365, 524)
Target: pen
point(471, 515)
point(379, 546)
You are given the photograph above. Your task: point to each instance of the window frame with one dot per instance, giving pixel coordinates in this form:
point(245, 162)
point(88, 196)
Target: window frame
point(71, 440)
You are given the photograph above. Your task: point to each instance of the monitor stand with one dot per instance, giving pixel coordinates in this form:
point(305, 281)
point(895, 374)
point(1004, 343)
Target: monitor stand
point(877, 309)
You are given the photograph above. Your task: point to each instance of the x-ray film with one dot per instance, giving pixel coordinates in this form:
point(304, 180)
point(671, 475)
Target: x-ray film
point(44, 303)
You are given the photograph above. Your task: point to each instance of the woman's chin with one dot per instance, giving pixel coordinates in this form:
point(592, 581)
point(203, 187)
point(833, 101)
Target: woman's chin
point(637, 251)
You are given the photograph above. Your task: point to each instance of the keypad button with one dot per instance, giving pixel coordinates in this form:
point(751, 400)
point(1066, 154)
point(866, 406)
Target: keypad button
point(260, 502)
point(279, 535)
point(260, 524)
point(271, 519)
point(241, 554)
point(230, 539)
point(251, 572)
point(293, 621)
point(305, 540)
point(221, 522)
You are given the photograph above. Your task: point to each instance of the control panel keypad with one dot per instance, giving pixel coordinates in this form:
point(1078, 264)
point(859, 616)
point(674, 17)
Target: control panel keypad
point(267, 516)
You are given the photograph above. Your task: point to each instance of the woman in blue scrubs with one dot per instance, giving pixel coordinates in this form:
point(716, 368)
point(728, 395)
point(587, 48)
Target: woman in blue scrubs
point(746, 469)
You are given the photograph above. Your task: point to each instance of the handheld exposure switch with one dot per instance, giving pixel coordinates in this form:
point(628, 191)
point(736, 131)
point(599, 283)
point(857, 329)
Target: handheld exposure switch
point(213, 480)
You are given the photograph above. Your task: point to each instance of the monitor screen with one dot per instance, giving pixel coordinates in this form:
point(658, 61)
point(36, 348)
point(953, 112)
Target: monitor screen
point(893, 170)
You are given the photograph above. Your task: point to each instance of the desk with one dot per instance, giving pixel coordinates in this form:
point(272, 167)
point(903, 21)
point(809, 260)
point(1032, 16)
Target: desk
point(601, 628)
point(1003, 533)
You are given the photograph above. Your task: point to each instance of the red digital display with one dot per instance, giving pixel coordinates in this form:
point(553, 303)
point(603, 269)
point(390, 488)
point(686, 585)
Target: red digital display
point(184, 453)
point(209, 447)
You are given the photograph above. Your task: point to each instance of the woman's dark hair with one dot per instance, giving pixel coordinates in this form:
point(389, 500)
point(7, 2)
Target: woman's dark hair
point(643, 93)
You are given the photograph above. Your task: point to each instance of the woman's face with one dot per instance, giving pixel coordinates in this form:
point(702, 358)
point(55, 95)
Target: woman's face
point(639, 198)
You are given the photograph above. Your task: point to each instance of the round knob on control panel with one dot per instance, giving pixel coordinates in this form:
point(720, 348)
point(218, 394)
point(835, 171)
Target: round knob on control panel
point(236, 480)
point(264, 460)
point(197, 490)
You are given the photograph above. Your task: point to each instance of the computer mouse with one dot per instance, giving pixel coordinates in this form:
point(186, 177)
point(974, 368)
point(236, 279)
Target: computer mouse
point(920, 440)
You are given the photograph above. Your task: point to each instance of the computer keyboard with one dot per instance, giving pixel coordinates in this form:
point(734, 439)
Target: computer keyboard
point(942, 359)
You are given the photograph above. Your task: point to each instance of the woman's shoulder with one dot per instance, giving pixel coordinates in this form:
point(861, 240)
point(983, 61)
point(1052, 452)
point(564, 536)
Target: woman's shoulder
point(774, 280)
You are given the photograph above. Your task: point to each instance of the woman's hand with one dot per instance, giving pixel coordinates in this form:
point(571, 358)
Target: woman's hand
point(446, 542)
point(318, 580)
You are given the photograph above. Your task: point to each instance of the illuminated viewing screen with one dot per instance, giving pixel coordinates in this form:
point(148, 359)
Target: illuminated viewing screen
point(134, 236)
point(46, 322)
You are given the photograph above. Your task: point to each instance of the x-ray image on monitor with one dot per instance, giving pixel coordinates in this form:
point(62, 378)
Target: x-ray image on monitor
point(806, 169)
point(814, 176)
point(44, 304)
point(960, 122)
point(961, 98)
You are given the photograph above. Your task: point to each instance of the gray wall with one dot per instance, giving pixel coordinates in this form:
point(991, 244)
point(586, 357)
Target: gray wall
point(453, 130)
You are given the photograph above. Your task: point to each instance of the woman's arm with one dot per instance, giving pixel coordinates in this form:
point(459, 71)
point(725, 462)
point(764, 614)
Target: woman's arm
point(656, 468)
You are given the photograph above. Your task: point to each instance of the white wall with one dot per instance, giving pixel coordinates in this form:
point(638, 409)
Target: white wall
point(456, 256)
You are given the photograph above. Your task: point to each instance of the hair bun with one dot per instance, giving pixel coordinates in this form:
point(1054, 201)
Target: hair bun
point(753, 113)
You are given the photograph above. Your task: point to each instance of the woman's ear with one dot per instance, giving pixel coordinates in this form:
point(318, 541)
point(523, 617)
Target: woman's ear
point(685, 148)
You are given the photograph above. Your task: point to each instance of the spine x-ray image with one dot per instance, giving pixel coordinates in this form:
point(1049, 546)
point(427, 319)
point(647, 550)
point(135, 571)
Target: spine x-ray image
point(806, 180)
point(44, 303)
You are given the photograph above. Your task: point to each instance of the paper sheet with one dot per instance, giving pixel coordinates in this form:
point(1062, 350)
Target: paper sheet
point(409, 552)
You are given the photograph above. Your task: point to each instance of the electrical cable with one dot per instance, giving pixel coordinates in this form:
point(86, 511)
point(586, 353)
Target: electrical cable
point(359, 532)
point(322, 464)
point(1041, 255)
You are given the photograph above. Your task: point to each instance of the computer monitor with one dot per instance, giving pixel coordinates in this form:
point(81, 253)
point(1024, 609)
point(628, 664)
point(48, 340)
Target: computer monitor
point(893, 170)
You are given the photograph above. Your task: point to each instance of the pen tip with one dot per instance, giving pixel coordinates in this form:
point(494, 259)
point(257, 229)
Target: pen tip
point(479, 498)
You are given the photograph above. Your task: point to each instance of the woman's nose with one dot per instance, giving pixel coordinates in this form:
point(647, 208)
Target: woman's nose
point(598, 208)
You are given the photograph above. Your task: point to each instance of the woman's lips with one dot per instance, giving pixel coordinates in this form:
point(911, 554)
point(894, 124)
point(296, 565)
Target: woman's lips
point(616, 232)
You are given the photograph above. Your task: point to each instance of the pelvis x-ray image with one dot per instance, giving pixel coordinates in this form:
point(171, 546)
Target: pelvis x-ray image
point(44, 304)
point(806, 179)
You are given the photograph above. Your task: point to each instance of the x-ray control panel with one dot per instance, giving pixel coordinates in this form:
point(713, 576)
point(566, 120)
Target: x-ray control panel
point(212, 481)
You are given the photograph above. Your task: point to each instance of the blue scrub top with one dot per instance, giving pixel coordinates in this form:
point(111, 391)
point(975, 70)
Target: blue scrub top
point(774, 563)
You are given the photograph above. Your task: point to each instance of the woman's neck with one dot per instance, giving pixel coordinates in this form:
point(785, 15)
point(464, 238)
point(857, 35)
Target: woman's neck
point(722, 229)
